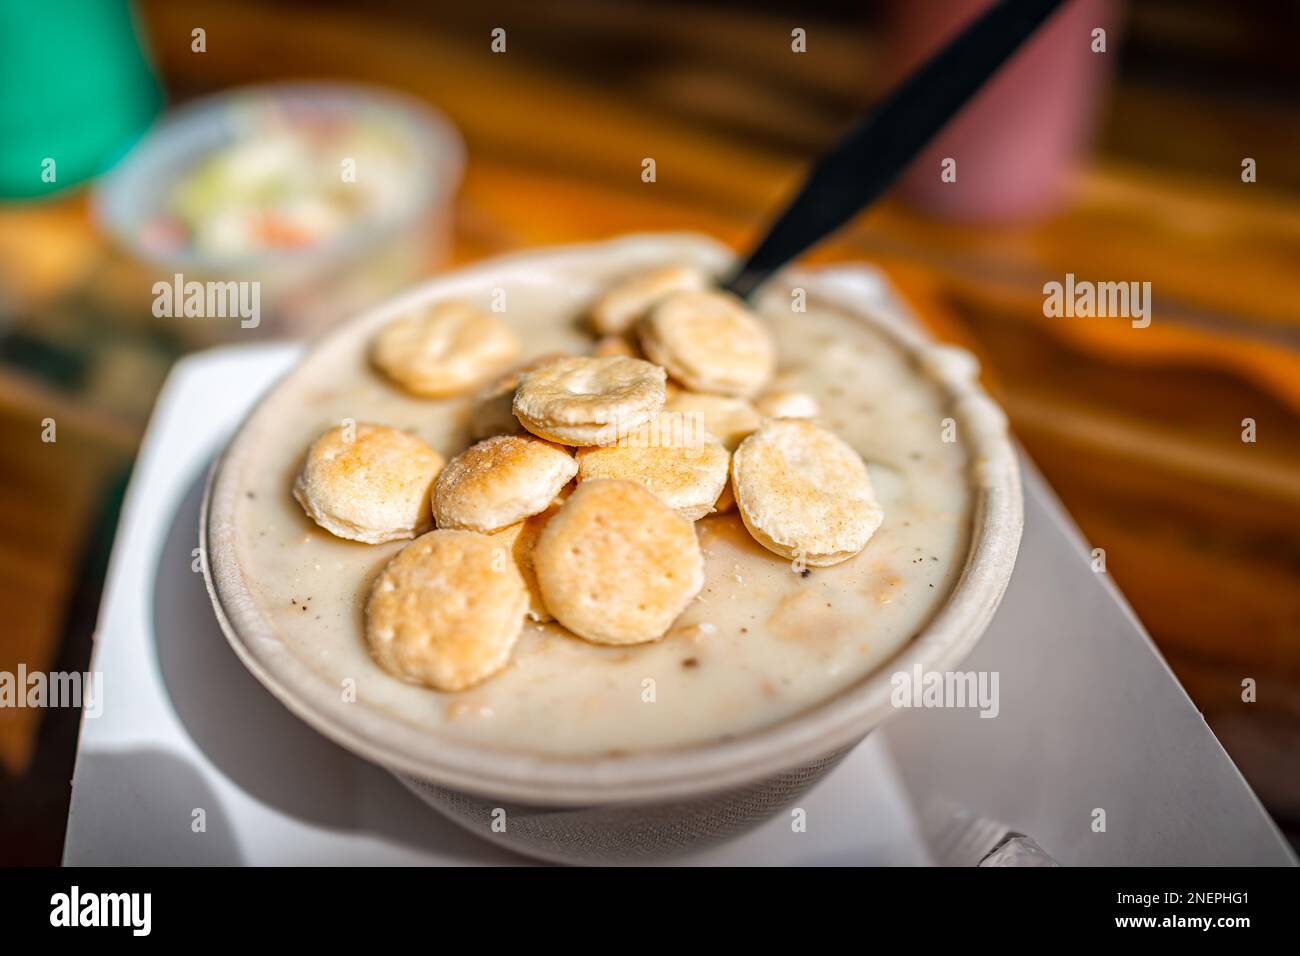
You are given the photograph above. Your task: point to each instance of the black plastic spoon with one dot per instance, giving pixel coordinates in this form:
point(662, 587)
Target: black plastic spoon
point(864, 163)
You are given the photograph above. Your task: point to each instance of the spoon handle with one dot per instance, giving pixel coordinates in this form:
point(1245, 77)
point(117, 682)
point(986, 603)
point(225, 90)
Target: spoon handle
point(880, 145)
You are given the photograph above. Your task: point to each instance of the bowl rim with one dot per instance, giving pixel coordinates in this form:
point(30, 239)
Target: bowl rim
point(648, 776)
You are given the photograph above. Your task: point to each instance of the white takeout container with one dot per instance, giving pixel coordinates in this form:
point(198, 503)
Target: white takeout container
point(639, 806)
point(303, 290)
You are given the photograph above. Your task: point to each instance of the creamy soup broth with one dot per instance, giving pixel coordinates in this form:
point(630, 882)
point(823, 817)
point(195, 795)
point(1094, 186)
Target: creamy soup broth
point(760, 642)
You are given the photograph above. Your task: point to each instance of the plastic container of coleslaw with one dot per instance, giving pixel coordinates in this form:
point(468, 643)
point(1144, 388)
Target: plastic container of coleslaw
point(281, 209)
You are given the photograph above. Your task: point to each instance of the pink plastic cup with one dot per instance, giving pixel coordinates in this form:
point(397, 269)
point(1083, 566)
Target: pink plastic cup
point(1021, 137)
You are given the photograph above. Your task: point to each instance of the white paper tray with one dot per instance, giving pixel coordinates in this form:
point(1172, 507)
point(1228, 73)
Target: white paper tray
point(1090, 717)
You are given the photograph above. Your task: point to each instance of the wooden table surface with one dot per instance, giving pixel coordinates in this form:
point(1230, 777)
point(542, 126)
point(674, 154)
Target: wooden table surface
point(1139, 433)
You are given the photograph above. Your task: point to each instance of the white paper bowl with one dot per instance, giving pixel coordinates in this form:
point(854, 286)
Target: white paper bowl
point(643, 805)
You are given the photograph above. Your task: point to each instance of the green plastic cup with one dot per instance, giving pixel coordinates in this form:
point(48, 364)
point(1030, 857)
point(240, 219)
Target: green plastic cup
point(75, 92)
